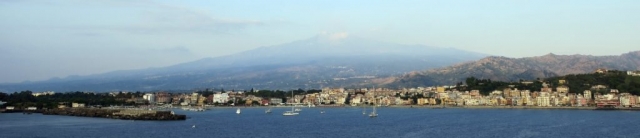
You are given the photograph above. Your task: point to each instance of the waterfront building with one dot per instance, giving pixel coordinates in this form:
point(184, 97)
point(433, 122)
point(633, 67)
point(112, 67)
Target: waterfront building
point(587, 94)
point(201, 100)
point(543, 99)
point(163, 97)
point(149, 97)
point(221, 98)
point(554, 101)
point(176, 99)
point(275, 101)
point(194, 98)
point(607, 100)
point(627, 100)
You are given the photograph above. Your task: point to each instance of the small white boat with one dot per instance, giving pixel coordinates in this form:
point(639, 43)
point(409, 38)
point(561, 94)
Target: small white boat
point(298, 110)
point(292, 112)
point(238, 111)
point(322, 112)
point(268, 111)
point(194, 126)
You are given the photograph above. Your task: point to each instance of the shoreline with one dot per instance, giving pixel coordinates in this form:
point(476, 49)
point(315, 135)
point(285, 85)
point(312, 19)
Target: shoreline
point(440, 107)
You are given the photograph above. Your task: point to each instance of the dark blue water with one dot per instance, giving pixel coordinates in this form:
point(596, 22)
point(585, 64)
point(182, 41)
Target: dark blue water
point(340, 122)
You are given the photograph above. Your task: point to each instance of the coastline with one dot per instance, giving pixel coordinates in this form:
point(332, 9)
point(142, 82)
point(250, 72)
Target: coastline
point(440, 107)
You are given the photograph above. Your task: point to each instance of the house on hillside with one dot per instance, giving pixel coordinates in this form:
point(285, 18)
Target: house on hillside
point(601, 70)
point(562, 89)
point(633, 73)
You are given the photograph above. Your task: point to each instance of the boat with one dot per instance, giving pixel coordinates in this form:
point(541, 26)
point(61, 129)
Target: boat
point(268, 111)
point(373, 113)
point(194, 126)
point(297, 110)
point(322, 112)
point(238, 111)
point(292, 112)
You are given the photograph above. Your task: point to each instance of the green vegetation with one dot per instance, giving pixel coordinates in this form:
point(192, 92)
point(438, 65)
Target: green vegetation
point(486, 86)
point(612, 79)
point(577, 83)
point(25, 99)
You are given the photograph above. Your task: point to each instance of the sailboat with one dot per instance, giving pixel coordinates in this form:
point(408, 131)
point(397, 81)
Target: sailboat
point(373, 113)
point(238, 111)
point(268, 111)
point(292, 112)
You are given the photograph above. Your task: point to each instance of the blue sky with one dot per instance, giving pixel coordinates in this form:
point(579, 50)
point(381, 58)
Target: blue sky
point(44, 39)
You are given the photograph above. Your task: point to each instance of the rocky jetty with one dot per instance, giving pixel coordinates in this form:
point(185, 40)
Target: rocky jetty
point(125, 114)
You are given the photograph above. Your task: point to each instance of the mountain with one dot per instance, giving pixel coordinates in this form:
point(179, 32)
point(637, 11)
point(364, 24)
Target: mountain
point(515, 69)
point(312, 63)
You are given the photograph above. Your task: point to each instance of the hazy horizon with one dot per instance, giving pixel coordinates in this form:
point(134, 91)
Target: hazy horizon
point(45, 39)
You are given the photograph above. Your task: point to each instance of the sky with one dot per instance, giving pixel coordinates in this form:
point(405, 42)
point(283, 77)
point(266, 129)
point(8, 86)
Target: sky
point(58, 38)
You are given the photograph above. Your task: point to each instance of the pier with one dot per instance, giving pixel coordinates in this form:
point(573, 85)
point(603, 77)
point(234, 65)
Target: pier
point(125, 114)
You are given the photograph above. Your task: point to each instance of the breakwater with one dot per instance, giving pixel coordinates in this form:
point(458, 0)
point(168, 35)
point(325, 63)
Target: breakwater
point(125, 114)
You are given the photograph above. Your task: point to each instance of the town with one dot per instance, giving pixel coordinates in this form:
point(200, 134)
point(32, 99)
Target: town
point(598, 96)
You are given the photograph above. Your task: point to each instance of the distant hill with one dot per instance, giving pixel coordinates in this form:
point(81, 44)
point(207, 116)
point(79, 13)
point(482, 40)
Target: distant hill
point(310, 63)
point(515, 69)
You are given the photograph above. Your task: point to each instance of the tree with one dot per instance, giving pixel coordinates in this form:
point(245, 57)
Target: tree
point(348, 99)
point(3, 96)
point(414, 99)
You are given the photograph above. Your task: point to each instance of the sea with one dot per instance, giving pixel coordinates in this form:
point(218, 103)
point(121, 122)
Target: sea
point(340, 122)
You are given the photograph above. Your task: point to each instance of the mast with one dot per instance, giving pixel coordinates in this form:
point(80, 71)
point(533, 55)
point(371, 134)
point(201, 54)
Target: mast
point(292, 100)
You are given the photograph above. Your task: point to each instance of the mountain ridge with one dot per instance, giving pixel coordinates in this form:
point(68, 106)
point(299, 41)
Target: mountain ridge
point(515, 69)
point(308, 63)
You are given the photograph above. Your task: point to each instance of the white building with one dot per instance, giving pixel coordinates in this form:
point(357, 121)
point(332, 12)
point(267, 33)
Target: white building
point(220, 97)
point(273, 101)
point(194, 98)
point(149, 97)
point(43, 93)
point(587, 94)
point(543, 99)
point(77, 105)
